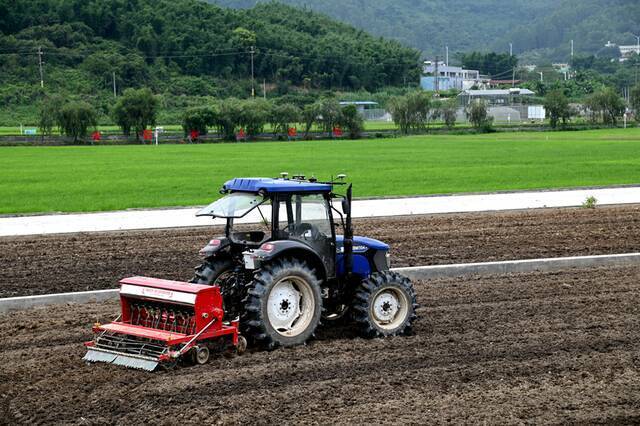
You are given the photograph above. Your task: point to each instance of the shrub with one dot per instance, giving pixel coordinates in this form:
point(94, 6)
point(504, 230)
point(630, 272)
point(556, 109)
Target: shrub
point(478, 115)
point(352, 121)
point(199, 118)
point(590, 203)
point(448, 111)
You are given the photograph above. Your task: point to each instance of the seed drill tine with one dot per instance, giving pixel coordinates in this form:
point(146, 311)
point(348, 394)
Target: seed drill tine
point(137, 363)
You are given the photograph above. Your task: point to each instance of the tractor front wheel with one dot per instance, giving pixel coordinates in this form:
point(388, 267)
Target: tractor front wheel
point(283, 305)
point(384, 305)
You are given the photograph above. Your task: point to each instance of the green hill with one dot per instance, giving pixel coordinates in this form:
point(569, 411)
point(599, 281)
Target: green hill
point(542, 28)
point(182, 49)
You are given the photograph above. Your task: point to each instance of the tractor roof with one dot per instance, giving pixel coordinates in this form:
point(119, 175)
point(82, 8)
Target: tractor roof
point(275, 185)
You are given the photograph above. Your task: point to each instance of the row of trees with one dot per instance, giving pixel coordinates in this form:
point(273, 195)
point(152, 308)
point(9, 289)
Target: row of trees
point(604, 106)
point(135, 111)
point(414, 111)
point(252, 115)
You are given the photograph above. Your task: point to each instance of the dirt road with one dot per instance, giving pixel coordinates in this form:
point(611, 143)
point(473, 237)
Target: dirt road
point(59, 263)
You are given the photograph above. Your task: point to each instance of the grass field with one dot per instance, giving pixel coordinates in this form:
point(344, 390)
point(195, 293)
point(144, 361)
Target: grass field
point(86, 178)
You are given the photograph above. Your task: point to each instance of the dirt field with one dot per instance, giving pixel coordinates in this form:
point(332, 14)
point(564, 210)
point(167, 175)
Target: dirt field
point(49, 264)
point(561, 347)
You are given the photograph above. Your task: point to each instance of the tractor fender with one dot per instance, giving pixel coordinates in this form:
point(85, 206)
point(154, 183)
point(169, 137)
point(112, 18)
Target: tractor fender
point(273, 250)
point(214, 246)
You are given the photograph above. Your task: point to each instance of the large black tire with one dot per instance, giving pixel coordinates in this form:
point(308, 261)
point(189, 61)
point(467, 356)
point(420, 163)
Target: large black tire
point(384, 305)
point(221, 272)
point(209, 271)
point(277, 292)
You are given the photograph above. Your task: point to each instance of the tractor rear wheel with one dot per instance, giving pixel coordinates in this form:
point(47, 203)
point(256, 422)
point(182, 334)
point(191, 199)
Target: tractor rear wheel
point(283, 305)
point(222, 272)
point(210, 270)
point(384, 305)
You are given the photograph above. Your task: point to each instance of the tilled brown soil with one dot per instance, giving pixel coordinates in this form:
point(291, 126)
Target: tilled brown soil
point(553, 347)
point(59, 263)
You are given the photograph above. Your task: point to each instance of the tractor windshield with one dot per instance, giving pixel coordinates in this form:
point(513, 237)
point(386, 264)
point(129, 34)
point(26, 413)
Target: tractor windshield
point(234, 205)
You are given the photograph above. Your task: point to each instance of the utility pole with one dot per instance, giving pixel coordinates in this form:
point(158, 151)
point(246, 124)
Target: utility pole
point(571, 49)
point(40, 65)
point(114, 85)
point(513, 78)
point(510, 49)
point(541, 76)
point(437, 75)
point(447, 55)
point(253, 87)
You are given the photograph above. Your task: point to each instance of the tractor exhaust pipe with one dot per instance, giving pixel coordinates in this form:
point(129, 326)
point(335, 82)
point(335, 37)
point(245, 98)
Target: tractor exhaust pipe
point(348, 235)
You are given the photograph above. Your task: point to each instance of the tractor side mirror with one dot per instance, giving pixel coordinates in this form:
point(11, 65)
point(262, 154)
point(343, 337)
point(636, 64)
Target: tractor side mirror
point(346, 207)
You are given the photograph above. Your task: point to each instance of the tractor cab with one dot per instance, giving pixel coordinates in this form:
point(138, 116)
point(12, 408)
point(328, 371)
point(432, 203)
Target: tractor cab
point(266, 217)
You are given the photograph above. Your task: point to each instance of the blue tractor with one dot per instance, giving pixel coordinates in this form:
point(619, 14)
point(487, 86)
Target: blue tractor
point(282, 269)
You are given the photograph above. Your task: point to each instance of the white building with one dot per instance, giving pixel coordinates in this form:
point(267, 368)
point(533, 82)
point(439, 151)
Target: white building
point(448, 77)
point(627, 51)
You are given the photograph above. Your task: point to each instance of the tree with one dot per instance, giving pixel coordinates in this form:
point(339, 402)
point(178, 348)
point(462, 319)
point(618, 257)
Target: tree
point(448, 111)
point(199, 119)
point(75, 118)
point(227, 117)
point(136, 110)
point(282, 116)
point(494, 64)
point(412, 111)
point(49, 114)
point(419, 104)
point(478, 115)
point(254, 114)
point(399, 109)
point(557, 106)
point(352, 121)
point(330, 114)
point(607, 105)
point(635, 101)
point(310, 114)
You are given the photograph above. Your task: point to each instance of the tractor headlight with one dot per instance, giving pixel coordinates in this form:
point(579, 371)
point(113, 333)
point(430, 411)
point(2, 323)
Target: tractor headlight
point(388, 257)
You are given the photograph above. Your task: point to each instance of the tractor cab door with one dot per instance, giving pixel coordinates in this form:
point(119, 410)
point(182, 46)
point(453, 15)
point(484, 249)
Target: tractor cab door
point(306, 218)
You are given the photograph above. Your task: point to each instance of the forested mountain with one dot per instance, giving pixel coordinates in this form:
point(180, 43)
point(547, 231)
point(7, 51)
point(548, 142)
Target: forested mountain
point(184, 47)
point(542, 26)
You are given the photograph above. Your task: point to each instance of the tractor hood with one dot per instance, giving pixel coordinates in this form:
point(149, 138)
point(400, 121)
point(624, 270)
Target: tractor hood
point(361, 244)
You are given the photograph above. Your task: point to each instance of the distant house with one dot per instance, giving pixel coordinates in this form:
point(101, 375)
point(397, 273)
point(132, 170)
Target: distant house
point(368, 109)
point(496, 97)
point(449, 77)
point(628, 51)
point(505, 106)
point(361, 106)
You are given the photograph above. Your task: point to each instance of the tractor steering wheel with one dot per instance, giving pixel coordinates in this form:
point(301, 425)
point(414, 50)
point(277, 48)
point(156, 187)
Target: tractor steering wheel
point(305, 227)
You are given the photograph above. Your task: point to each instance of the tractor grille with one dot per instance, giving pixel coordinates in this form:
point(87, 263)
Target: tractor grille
point(173, 318)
